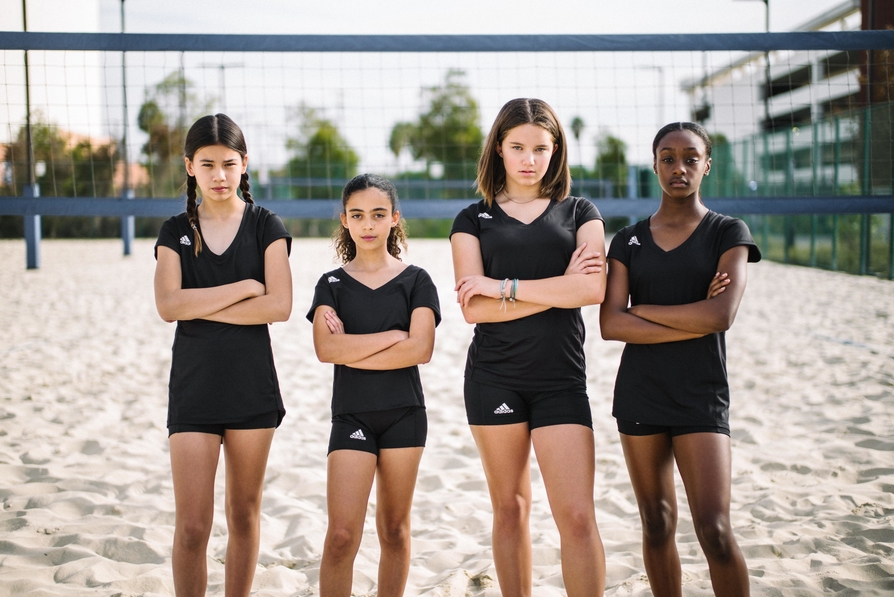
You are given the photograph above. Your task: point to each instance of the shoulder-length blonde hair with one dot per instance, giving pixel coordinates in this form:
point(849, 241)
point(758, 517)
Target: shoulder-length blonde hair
point(556, 183)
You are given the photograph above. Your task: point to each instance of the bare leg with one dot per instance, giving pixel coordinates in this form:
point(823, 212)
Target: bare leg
point(505, 454)
point(348, 483)
point(245, 453)
point(395, 483)
point(566, 455)
point(650, 464)
point(194, 459)
point(704, 463)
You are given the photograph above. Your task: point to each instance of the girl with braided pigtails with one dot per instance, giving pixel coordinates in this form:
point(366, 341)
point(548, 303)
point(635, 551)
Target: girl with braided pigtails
point(223, 275)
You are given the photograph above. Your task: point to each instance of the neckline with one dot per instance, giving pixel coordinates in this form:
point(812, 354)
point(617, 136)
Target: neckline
point(549, 207)
point(381, 286)
point(235, 236)
point(682, 244)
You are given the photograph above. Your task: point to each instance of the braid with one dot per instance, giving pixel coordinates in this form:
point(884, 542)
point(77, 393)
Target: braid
point(192, 212)
point(245, 187)
point(345, 248)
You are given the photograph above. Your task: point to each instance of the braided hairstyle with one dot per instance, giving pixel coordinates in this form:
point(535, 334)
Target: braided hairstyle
point(212, 130)
point(345, 247)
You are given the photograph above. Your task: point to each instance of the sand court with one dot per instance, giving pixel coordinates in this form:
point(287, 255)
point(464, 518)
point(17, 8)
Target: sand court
point(85, 487)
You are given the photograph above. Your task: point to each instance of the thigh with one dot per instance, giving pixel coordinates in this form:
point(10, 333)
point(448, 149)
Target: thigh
point(194, 458)
point(650, 464)
point(488, 405)
point(505, 452)
point(245, 452)
point(349, 479)
point(396, 473)
point(567, 460)
point(704, 460)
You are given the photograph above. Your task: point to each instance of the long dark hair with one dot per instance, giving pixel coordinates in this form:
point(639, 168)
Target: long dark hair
point(212, 130)
point(556, 183)
point(698, 129)
point(345, 247)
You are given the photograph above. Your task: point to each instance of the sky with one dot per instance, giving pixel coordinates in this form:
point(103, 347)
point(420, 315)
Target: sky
point(651, 94)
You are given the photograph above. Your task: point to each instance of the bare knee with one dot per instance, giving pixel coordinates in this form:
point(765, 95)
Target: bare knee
point(659, 522)
point(577, 523)
point(243, 516)
point(341, 542)
point(192, 532)
point(394, 534)
point(715, 535)
point(512, 512)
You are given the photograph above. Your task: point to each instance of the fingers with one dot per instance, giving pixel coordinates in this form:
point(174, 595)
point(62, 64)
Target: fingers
point(333, 322)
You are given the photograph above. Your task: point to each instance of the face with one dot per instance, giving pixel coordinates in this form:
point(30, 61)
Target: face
point(681, 163)
point(369, 219)
point(218, 171)
point(526, 151)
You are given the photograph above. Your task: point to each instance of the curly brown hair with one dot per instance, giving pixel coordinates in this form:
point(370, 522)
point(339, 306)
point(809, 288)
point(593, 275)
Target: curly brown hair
point(345, 247)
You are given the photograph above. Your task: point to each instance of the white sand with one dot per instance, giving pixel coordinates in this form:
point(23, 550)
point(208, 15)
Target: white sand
point(85, 481)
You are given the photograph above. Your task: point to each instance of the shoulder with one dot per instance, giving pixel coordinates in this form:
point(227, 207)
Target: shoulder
point(626, 237)
point(417, 273)
point(469, 219)
point(733, 232)
point(583, 209)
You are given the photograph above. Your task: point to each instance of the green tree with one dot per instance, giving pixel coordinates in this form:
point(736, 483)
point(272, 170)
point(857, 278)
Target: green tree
point(165, 115)
point(319, 152)
point(611, 163)
point(447, 133)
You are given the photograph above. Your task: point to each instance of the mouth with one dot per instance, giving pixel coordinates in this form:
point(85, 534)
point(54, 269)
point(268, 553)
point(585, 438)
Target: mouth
point(368, 238)
point(679, 182)
point(219, 189)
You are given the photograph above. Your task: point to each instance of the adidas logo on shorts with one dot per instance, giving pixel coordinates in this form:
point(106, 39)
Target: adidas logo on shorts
point(485, 216)
point(503, 409)
point(184, 240)
point(358, 435)
point(633, 241)
point(332, 279)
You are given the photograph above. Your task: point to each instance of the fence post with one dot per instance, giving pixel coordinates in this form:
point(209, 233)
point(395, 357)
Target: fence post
point(127, 225)
point(835, 174)
point(866, 219)
point(32, 230)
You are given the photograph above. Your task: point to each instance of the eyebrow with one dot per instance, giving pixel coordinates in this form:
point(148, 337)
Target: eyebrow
point(672, 148)
point(357, 209)
point(520, 143)
point(226, 161)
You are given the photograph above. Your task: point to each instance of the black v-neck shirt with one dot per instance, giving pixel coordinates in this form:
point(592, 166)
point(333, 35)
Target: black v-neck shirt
point(545, 350)
point(220, 372)
point(365, 310)
point(676, 383)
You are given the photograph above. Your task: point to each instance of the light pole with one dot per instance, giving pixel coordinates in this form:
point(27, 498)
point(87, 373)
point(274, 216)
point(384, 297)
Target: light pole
point(660, 70)
point(221, 79)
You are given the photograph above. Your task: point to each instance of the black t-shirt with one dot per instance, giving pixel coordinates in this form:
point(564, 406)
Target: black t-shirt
point(676, 383)
point(363, 310)
point(220, 372)
point(544, 350)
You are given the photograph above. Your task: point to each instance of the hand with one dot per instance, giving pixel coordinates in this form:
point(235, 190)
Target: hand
point(584, 262)
point(333, 322)
point(718, 284)
point(255, 288)
point(470, 286)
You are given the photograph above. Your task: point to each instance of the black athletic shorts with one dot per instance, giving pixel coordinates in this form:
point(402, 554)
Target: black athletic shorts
point(633, 428)
point(487, 405)
point(405, 427)
point(265, 421)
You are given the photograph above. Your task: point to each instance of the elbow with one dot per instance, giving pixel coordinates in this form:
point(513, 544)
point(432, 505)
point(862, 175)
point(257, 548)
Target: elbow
point(281, 312)
point(470, 315)
point(166, 312)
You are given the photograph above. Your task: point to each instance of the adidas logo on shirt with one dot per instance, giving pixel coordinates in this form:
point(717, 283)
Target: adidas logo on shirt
point(503, 409)
point(332, 279)
point(358, 435)
point(485, 216)
point(184, 240)
point(633, 241)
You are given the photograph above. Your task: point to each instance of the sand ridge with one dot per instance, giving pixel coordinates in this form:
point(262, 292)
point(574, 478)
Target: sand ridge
point(85, 478)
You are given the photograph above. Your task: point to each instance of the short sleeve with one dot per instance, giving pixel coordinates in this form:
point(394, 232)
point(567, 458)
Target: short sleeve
point(736, 234)
point(167, 237)
point(467, 220)
point(322, 296)
point(619, 247)
point(425, 294)
point(585, 212)
point(274, 230)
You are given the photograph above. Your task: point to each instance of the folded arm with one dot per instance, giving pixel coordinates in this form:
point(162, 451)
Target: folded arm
point(654, 324)
point(416, 349)
point(332, 345)
point(276, 302)
point(174, 302)
point(583, 282)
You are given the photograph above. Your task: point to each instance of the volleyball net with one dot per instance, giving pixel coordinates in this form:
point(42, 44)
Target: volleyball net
point(797, 115)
